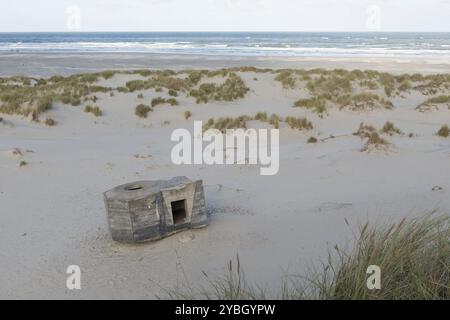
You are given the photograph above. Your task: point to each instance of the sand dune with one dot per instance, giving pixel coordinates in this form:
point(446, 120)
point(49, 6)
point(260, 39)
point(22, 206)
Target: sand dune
point(53, 215)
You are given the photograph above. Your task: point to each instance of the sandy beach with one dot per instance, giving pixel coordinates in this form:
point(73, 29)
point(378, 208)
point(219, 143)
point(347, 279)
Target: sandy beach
point(49, 64)
point(52, 211)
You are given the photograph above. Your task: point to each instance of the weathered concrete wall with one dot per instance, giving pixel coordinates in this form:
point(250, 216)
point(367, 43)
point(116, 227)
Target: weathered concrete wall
point(142, 210)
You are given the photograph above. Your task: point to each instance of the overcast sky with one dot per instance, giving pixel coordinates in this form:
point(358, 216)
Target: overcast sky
point(225, 15)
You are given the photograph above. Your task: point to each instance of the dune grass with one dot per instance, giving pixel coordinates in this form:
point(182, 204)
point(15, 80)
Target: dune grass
point(142, 110)
point(374, 140)
point(434, 102)
point(33, 96)
point(413, 256)
point(287, 79)
point(371, 136)
point(173, 93)
point(390, 129)
point(160, 100)
point(299, 123)
point(316, 104)
point(50, 122)
point(365, 101)
point(232, 89)
point(275, 120)
point(157, 101)
point(96, 111)
point(224, 123)
point(261, 116)
point(312, 140)
point(444, 131)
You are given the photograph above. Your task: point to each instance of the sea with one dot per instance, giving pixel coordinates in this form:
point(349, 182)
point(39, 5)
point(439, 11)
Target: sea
point(309, 44)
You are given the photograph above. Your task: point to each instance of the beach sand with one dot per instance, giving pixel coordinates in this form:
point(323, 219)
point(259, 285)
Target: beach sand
point(52, 210)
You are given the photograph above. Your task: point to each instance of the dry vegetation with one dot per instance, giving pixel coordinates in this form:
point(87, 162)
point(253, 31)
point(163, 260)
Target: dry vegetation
point(232, 89)
point(434, 103)
point(142, 110)
point(50, 122)
point(34, 96)
point(316, 104)
point(312, 140)
point(224, 123)
point(413, 255)
point(390, 129)
point(354, 90)
point(159, 100)
point(444, 131)
point(96, 111)
point(372, 138)
point(300, 123)
point(360, 90)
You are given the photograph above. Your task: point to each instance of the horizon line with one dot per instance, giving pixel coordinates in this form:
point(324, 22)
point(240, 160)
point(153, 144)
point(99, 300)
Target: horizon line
point(214, 31)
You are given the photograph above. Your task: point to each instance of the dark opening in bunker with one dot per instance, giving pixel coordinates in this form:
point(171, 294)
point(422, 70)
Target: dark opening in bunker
point(179, 212)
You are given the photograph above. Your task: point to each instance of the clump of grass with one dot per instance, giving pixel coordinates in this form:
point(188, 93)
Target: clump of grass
point(334, 84)
point(316, 104)
point(232, 89)
point(364, 130)
point(369, 84)
point(413, 256)
point(44, 104)
point(444, 131)
point(107, 74)
point(232, 286)
point(372, 137)
point(433, 84)
point(187, 115)
point(122, 89)
point(140, 96)
point(405, 85)
point(225, 123)
point(388, 82)
point(390, 129)
point(433, 102)
point(173, 93)
point(261, 116)
point(157, 101)
point(312, 140)
point(172, 102)
point(23, 163)
point(96, 111)
point(300, 123)
point(50, 122)
point(365, 101)
point(275, 120)
point(68, 98)
point(142, 110)
point(287, 79)
point(135, 85)
point(374, 140)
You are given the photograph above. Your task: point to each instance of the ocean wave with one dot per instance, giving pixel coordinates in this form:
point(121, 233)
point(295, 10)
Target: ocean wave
point(282, 48)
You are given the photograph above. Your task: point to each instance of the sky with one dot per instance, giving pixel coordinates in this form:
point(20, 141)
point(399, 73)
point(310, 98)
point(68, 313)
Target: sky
point(224, 15)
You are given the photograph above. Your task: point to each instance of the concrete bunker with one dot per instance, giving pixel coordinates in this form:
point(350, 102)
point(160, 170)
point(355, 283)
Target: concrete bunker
point(151, 210)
